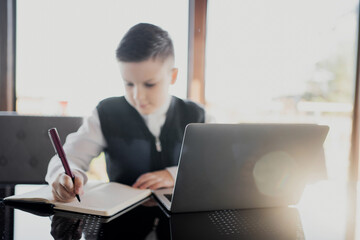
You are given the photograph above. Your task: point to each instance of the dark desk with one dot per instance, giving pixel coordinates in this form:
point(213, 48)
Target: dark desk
point(321, 214)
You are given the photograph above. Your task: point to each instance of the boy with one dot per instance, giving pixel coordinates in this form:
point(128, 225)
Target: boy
point(141, 132)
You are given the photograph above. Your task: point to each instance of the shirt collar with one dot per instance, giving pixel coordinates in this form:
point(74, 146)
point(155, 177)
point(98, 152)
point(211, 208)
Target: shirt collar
point(159, 112)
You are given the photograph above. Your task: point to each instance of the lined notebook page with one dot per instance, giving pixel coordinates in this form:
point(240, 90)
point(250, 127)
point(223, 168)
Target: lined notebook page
point(105, 199)
point(44, 194)
point(40, 195)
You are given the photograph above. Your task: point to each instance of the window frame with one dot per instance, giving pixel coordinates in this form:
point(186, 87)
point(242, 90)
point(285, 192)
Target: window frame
point(7, 55)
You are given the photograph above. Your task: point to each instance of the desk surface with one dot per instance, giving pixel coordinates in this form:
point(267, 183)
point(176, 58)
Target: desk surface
point(321, 214)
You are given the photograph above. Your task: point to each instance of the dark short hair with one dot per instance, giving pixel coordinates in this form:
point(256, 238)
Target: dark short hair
point(144, 41)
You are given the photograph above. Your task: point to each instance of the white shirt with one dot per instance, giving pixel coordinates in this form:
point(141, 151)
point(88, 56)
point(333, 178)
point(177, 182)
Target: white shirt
point(88, 142)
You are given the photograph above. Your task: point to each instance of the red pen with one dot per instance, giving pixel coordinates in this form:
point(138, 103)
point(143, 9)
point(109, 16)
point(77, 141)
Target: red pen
point(55, 139)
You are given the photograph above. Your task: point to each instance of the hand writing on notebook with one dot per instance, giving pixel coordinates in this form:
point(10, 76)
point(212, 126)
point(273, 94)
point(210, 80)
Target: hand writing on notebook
point(155, 180)
point(63, 188)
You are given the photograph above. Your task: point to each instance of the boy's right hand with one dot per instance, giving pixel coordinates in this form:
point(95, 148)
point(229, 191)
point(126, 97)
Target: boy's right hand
point(63, 188)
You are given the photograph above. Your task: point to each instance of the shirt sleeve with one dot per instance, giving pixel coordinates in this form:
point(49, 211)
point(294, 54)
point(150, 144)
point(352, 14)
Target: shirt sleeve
point(80, 148)
point(209, 118)
point(173, 170)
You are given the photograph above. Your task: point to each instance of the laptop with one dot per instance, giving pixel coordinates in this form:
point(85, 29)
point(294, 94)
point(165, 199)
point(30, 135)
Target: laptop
point(242, 166)
point(25, 147)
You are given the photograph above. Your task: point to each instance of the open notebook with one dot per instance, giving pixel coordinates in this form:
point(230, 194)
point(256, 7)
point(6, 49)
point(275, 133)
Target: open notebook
point(100, 198)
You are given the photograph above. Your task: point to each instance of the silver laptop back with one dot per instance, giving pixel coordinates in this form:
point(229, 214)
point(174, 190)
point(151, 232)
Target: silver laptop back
point(236, 166)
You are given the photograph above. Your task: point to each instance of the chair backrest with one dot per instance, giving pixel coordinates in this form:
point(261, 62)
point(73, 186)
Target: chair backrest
point(25, 147)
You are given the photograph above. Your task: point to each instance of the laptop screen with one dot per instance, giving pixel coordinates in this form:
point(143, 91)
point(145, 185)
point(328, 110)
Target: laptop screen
point(227, 166)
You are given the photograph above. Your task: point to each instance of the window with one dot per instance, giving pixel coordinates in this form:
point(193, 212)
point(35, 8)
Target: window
point(66, 58)
point(66, 50)
point(285, 61)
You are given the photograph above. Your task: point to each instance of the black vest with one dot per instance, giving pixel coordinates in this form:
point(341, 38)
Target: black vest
point(131, 149)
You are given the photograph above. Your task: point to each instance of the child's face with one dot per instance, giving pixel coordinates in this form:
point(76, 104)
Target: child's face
point(147, 83)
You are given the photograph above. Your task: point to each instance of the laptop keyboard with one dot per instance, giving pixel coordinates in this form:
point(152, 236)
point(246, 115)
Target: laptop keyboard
point(168, 196)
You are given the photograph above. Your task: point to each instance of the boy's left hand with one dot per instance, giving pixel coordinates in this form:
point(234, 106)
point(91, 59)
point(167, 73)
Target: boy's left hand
point(154, 180)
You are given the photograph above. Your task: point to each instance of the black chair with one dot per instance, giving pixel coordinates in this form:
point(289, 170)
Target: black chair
point(25, 147)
